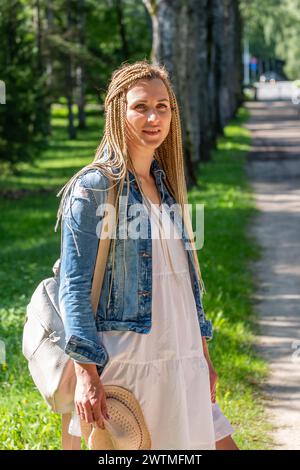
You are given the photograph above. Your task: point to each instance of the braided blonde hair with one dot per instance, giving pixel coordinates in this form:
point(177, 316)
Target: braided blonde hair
point(169, 154)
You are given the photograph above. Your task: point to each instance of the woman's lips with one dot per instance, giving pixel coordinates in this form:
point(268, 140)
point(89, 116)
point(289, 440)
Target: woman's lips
point(154, 132)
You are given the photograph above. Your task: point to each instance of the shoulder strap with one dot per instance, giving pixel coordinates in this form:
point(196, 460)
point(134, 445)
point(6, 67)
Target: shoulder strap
point(103, 249)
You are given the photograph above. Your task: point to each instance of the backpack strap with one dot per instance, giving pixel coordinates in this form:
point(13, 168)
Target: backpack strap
point(103, 249)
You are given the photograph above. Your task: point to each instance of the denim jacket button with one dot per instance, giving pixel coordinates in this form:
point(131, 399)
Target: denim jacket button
point(144, 293)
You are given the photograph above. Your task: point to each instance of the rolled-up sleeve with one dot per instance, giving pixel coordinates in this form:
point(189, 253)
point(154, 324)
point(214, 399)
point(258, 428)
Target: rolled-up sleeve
point(81, 226)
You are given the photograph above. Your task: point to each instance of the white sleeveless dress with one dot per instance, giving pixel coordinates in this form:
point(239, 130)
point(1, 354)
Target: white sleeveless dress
point(166, 368)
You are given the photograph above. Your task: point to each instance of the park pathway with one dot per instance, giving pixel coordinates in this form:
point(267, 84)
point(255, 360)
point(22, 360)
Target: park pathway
point(274, 171)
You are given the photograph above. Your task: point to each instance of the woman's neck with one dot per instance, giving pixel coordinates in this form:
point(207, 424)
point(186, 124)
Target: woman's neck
point(141, 163)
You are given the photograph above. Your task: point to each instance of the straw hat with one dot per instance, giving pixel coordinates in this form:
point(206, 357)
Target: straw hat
point(126, 429)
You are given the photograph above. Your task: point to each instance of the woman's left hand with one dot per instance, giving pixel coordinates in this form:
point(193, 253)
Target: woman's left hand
point(213, 376)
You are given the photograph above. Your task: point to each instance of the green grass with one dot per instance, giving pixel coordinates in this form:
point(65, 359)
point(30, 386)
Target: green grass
point(29, 247)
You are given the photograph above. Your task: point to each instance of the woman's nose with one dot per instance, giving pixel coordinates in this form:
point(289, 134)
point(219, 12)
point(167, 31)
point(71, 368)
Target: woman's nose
point(152, 116)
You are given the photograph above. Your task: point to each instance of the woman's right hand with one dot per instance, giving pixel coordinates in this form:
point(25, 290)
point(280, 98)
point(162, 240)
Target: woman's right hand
point(90, 399)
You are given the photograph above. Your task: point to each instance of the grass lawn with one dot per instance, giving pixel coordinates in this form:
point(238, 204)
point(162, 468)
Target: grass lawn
point(29, 247)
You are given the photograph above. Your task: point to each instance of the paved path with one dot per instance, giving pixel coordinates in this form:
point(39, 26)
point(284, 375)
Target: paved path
point(274, 172)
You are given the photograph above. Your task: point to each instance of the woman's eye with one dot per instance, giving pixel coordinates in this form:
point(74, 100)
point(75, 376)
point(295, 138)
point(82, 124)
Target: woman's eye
point(162, 106)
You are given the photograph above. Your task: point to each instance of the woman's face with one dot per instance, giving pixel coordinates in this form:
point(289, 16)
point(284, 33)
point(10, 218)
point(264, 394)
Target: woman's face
point(148, 109)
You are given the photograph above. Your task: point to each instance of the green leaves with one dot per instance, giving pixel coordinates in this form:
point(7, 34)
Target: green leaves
point(273, 28)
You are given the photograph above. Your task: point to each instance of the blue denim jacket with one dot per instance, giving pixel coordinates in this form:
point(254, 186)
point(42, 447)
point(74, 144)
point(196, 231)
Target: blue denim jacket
point(130, 302)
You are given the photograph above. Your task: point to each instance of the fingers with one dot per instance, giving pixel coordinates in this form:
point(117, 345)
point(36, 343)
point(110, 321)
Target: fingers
point(104, 409)
point(90, 415)
point(79, 410)
point(87, 412)
point(92, 409)
point(98, 417)
point(214, 388)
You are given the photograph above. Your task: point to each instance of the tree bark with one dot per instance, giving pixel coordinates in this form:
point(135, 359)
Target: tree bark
point(175, 35)
point(80, 75)
point(199, 42)
point(69, 79)
point(120, 19)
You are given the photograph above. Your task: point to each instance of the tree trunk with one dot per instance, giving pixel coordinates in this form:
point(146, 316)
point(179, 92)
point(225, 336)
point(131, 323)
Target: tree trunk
point(228, 38)
point(49, 80)
point(69, 79)
point(39, 37)
point(176, 44)
point(122, 30)
point(80, 75)
point(69, 93)
point(199, 42)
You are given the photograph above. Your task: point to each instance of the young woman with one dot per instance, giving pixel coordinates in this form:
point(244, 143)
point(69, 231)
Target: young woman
point(151, 332)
